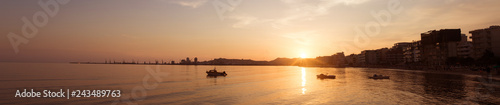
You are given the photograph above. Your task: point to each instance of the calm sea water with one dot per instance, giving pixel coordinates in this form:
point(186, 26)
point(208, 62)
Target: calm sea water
point(178, 84)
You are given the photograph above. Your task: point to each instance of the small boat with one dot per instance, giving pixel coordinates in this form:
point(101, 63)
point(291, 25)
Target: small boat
point(323, 76)
point(215, 73)
point(379, 77)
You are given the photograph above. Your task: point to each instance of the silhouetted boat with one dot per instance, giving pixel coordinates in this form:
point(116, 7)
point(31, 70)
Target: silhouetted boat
point(211, 76)
point(323, 76)
point(215, 73)
point(379, 77)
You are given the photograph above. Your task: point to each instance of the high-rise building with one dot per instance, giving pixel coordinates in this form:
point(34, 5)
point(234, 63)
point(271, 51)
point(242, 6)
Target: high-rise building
point(487, 39)
point(438, 46)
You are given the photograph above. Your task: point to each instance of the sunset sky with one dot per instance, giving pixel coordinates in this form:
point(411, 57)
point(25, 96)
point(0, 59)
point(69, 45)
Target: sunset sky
point(145, 30)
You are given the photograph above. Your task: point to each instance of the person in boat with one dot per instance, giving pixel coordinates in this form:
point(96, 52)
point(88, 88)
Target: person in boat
point(224, 72)
point(374, 75)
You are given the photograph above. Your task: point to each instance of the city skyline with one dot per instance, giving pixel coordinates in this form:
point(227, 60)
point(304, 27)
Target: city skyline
point(434, 48)
point(173, 30)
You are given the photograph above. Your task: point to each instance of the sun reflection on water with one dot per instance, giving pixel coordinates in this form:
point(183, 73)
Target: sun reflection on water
point(303, 80)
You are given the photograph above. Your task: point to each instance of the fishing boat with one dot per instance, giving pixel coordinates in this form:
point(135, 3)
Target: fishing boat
point(379, 77)
point(325, 76)
point(215, 73)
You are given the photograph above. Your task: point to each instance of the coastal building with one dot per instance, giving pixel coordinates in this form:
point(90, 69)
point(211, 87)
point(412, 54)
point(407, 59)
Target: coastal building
point(395, 55)
point(487, 39)
point(187, 61)
point(351, 59)
point(382, 55)
point(438, 46)
point(464, 48)
point(339, 59)
point(357, 59)
point(412, 52)
point(369, 57)
point(408, 55)
point(361, 59)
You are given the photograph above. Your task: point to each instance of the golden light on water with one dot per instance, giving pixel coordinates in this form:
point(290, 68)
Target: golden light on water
point(303, 80)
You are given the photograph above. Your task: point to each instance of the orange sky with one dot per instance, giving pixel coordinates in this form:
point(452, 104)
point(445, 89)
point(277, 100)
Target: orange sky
point(94, 30)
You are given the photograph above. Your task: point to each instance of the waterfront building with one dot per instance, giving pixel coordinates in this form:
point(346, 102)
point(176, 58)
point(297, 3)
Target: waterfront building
point(361, 59)
point(369, 57)
point(464, 48)
point(351, 59)
point(382, 55)
point(438, 46)
point(395, 55)
point(339, 59)
point(412, 52)
point(487, 39)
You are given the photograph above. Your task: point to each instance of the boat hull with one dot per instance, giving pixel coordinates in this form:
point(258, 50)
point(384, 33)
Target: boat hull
point(325, 77)
point(382, 77)
point(216, 74)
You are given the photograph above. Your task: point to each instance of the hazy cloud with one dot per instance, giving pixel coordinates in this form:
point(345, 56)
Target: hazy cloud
point(190, 3)
point(303, 37)
point(298, 10)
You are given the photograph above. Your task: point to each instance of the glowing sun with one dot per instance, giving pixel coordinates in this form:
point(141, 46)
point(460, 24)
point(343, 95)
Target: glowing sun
point(303, 55)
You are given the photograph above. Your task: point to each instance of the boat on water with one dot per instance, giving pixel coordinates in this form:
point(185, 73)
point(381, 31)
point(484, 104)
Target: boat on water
point(215, 73)
point(375, 76)
point(325, 76)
